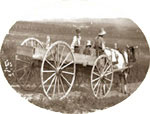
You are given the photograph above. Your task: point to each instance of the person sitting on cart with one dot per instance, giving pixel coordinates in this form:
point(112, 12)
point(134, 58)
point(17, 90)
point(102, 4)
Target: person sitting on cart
point(99, 43)
point(75, 45)
point(87, 50)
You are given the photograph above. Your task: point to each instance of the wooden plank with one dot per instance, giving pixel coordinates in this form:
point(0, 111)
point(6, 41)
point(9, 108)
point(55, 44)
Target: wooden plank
point(35, 53)
point(84, 59)
point(25, 51)
point(39, 53)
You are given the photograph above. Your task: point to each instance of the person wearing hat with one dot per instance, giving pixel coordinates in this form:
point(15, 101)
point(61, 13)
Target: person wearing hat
point(75, 45)
point(99, 43)
point(87, 50)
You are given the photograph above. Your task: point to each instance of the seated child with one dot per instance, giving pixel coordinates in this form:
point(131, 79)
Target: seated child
point(87, 50)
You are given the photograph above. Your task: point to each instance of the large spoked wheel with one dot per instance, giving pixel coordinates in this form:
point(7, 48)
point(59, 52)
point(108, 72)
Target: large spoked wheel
point(58, 70)
point(101, 76)
point(27, 72)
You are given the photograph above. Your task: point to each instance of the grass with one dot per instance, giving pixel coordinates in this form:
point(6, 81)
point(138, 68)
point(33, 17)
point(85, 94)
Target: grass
point(77, 102)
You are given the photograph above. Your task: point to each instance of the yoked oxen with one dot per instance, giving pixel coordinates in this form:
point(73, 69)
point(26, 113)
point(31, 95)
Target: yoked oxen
point(122, 61)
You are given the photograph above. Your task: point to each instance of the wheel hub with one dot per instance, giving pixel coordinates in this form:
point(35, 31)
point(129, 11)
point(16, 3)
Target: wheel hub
point(58, 71)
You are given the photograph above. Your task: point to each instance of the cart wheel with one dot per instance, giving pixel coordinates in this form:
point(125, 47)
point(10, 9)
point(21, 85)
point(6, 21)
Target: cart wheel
point(58, 70)
point(26, 70)
point(101, 76)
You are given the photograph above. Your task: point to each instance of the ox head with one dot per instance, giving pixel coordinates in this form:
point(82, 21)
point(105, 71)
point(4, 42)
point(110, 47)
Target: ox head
point(131, 53)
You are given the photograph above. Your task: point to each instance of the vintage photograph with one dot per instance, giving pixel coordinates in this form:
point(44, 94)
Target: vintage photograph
point(75, 65)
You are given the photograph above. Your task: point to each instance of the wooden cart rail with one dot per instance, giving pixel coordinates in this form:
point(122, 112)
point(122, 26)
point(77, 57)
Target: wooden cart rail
point(38, 54)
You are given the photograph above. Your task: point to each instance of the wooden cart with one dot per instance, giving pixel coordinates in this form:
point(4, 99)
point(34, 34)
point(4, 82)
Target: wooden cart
point(58, 69)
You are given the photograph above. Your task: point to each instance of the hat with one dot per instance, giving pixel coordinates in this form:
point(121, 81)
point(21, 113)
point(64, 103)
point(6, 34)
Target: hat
point(102, 32)
point(88, 43)
point(78, 30)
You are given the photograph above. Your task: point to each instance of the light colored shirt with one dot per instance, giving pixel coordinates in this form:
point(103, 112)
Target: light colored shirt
point(48, 41)
point(76, 41)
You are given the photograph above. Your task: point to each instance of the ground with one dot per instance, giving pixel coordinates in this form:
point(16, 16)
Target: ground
point(79, 100)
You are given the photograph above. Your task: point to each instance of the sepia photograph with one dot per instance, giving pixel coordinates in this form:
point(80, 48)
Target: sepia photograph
point(74, 65)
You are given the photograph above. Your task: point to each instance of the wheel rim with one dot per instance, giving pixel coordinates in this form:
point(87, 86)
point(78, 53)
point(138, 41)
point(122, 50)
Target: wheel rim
point(32, 42)
point(26, 71)
point(101, 76)
point(58, 71)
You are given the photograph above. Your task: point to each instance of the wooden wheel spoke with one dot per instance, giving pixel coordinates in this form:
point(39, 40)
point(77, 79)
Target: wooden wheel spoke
point(28, 59)
point(106, 85)
point(108, 73)
point(62, 85)
point(50, 84)
point(48, 71)
point(32, 43)
point(27, 78)
point(105, 66)
point(23, 68)
point(53, 56)
point(98, 89)
point(62, 54)
point(50, 64)
point(58, 86)
point(22, 76)
point(66, 80)
point(49, 78)
point(104, 89)
point(107, 69)
point(109, 80)
point(98, 69)
point(96, 74)
point(58, 54)
point(95, 79)
point(35, 44)
point(64, 60)
point(66, 72)
point(96, 85)
point(67, 65)
point(54, 89)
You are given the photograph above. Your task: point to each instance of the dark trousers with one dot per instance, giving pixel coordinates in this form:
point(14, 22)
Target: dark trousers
point(76, 49)
point(99, 51)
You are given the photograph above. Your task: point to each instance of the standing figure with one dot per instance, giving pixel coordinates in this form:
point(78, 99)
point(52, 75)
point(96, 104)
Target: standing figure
point(99, 43)
point(75, 46)
point(48, 41)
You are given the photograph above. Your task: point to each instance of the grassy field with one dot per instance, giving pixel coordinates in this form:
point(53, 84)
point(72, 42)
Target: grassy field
point(80, 100)
point(121, 31)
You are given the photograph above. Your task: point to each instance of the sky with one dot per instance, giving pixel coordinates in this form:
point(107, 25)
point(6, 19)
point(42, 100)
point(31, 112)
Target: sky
point(14, 10)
